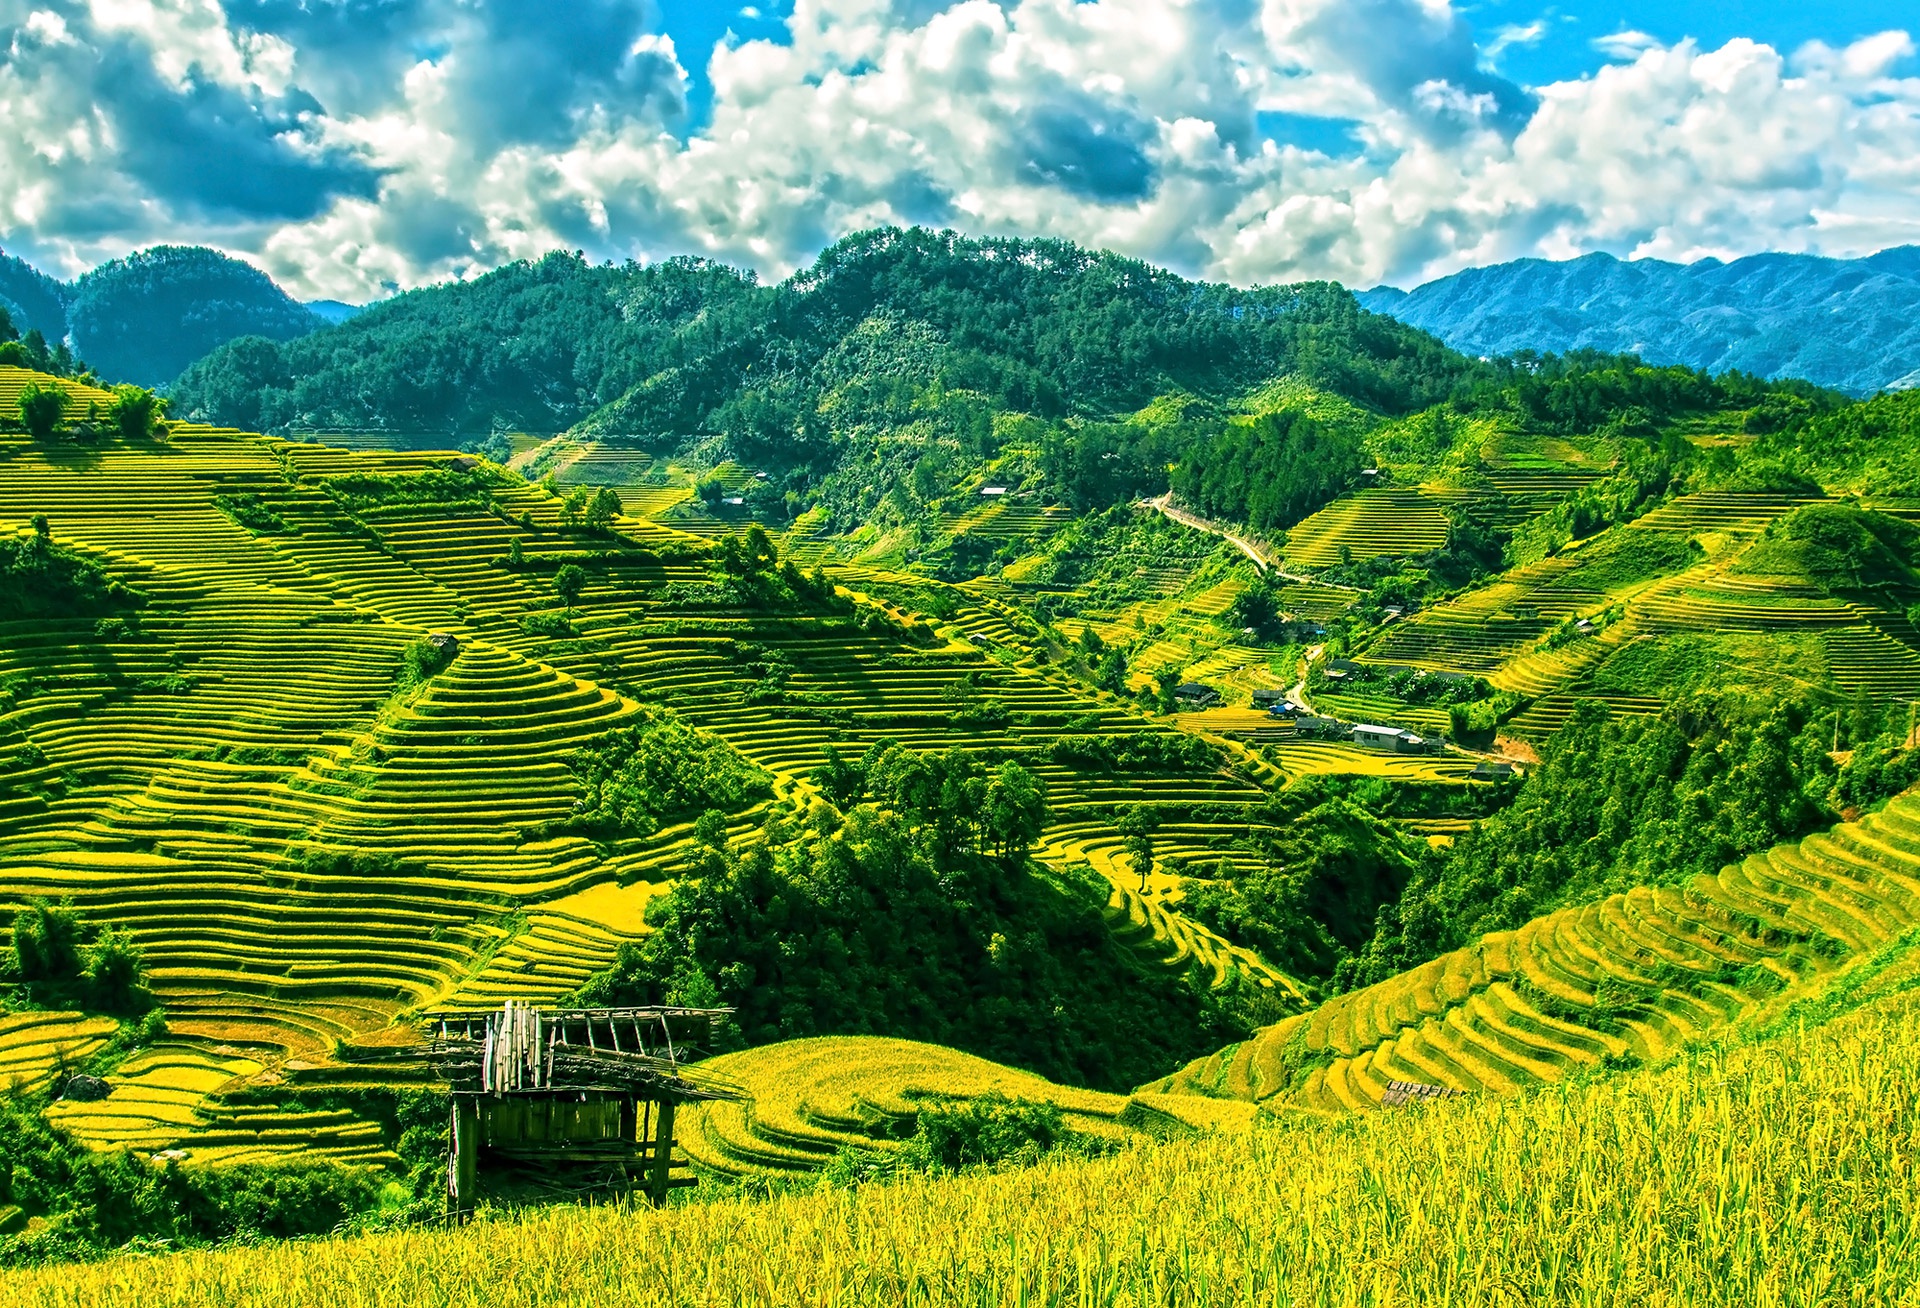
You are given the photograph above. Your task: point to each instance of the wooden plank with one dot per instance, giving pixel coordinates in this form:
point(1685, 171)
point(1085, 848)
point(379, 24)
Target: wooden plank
point(660, 1181)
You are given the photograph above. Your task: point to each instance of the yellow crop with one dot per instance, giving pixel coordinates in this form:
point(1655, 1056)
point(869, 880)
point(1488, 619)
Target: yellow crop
point(1771, 1173)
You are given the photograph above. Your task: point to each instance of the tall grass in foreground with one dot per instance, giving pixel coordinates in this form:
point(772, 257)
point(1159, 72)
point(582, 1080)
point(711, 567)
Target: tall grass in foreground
point(1771, 1173)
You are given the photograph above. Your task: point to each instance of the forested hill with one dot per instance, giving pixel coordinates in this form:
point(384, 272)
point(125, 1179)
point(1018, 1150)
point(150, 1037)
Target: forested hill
point(143, 318)
point(1849, 324)
point(684, 349)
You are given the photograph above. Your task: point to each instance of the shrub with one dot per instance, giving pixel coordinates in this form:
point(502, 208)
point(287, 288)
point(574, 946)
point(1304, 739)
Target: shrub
point(59, 958)
point(639, 777)
point(137, 412)
point(42, 410)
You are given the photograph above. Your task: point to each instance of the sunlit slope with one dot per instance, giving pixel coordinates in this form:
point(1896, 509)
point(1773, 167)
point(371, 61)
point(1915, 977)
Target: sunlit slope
point(1631, 978)
point(811, 1099)
point(1773, 1172)
point(172, 773)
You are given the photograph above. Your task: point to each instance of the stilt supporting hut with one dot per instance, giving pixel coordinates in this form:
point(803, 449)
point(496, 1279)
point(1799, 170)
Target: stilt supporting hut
point(581, 1097)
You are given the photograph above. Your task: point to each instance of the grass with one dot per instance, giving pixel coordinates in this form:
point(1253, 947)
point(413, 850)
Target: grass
point(1774, 1171)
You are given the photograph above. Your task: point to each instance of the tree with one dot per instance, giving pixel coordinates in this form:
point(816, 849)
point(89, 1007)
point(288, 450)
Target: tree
point(573, 506)
point(137, 412)
point(840, 779)
point(46, 942)
point(1016, 810)
point(569, 582)
point(1140, 857)
point(42, 409)
point(711, 490)
point(1136, 827)
point(601, 508)
point(115, 970)
point(1164, 683)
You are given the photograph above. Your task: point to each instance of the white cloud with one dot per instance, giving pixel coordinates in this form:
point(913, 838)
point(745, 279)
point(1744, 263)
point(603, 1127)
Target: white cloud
point(1625, 44)
point(460, 136)
point(1512, 34)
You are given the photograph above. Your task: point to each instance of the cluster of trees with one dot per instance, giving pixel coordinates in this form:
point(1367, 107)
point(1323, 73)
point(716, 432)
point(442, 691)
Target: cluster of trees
point(1625, 801)
point(1271, 472)
point(1313, 904)
point(47, 414)
point(639, 778)
point(1152, 751)
point(58, 959)
point(888, 329)
point(907, 907)
point(42, 579)
point(31, 351)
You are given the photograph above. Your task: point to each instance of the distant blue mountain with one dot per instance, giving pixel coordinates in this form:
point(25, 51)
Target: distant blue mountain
point(333, 311)
point(1852, 324)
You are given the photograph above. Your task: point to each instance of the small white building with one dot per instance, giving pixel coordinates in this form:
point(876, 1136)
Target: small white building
point(1389, 740)
point(993, 490)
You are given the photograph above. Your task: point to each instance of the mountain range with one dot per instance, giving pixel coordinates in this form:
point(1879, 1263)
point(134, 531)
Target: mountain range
point(1849, 324)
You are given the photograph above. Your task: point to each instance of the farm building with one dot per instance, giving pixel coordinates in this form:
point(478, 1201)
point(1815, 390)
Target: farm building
point(567, 1101)
point(1267, 699)
point(1194, 694)
point(1486, 770)
point(1390, 740)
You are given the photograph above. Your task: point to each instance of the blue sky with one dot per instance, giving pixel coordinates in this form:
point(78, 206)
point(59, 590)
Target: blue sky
point(353, 146)
point(1542, 43)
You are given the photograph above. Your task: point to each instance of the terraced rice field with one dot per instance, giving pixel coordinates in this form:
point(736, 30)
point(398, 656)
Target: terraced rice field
point(179, 771)
point(1367, 525)
point(1631, 977)
point(14, 381)
point(811, 1099)
point(33, 1046)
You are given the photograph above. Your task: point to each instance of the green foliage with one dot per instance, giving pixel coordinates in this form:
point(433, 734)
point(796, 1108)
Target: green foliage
point(1618, 802)
point(39, 579)
point(42, 410)
point(248, 510)
point(438, 487)
point(1870, 448)
point(422, 659)
point(1271, 472)
point(569, 581)
point(1839, 547)
point(1154, 751)
point(1313, 905)
point(636, 779)
point(137, 413)
point(988, 1132)
point(1624, 558)
point(59, 959)
point(873, 923)
point(95, 1202)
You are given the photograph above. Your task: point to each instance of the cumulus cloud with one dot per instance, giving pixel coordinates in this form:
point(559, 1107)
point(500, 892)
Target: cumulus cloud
point(352, 145)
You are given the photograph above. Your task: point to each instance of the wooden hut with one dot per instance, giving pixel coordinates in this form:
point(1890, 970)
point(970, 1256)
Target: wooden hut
point(580, 1098)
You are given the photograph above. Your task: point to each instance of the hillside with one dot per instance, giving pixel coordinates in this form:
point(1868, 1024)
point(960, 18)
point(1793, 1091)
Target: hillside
point(672, 353)
point(143, 318)
point(1848, 324)
point(902, 700)
point(1768, 1167)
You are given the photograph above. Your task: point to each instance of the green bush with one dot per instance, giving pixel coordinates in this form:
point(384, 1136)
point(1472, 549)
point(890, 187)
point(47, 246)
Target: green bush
point(635, 779)
point(59, 959)
point(42, 410)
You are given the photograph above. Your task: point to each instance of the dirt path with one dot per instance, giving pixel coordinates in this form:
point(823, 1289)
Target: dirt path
point(1264, 557)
